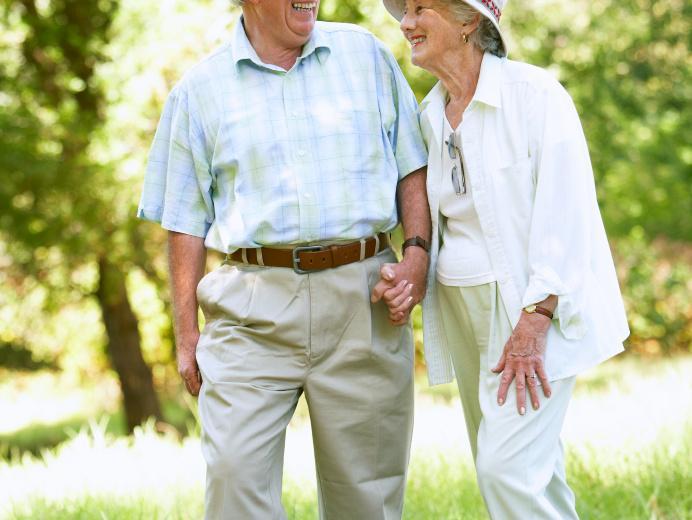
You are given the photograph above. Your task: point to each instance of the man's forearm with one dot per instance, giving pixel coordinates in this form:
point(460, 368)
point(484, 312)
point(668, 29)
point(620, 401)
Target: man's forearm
point(186, 260)
point(413, 206)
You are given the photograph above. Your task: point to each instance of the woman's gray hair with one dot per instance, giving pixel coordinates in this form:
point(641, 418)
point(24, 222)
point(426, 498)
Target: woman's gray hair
point(485, 37)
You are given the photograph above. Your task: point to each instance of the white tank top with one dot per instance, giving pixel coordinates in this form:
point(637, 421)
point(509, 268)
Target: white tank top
point(463, 259)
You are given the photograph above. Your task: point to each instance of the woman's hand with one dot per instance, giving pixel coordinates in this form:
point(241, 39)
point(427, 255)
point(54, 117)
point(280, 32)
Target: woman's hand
point(522, 360)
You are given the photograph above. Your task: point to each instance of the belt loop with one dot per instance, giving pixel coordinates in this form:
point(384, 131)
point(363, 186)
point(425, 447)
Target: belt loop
point(377, 244)
point(362, 249)
point(260, 259)
point(243, 255)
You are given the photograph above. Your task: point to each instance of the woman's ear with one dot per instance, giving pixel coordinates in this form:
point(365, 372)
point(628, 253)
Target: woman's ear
point(473, 24)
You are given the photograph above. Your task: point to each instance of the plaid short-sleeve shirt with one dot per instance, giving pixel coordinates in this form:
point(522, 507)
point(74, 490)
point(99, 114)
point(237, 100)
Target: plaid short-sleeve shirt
point(247, 154)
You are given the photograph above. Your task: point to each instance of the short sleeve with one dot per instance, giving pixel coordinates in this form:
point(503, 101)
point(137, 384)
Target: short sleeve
point(178, 182)
point(405, 133)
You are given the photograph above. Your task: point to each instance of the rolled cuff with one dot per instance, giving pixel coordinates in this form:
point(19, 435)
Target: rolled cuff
point(407, 166)
point(569, 311)
point(187, 227)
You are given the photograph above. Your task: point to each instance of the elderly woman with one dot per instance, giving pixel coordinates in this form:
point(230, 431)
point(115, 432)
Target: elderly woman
point(522, 292)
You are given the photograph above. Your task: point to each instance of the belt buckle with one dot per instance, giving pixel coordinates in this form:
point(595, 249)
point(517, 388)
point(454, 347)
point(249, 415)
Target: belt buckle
point(296, 259)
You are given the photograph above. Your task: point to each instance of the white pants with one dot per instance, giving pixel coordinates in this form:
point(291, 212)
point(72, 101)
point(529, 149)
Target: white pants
point(519, 459)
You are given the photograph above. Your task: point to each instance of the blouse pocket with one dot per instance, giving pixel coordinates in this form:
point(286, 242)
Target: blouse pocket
point(519, 171)
point(515, 187)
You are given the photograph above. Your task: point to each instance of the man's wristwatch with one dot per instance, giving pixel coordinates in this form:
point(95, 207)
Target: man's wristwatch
point(415, 241)
point(531, 309)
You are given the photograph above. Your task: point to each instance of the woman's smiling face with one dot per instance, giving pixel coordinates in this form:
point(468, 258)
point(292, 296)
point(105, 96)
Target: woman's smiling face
point(431, 29)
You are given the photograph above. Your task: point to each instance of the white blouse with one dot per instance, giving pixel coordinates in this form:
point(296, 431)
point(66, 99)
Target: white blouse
point(464, 260)
point(533, 190)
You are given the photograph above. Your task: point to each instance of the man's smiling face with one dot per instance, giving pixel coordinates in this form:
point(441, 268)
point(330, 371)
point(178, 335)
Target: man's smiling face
point(290, 21)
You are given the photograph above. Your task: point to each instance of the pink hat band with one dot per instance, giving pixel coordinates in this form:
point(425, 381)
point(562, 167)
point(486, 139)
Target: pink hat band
point(493, 8)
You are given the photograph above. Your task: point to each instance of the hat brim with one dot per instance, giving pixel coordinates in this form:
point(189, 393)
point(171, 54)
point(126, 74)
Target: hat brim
point(396, 9)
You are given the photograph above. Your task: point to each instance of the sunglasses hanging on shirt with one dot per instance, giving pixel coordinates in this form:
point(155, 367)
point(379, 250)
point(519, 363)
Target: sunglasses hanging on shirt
point(459, 182)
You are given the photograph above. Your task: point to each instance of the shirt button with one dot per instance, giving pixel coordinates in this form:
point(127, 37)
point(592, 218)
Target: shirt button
point(301, 153)
point(294, 113)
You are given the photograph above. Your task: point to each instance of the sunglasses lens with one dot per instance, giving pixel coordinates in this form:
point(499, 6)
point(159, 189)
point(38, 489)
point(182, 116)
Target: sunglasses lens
point(451, 148)
point(455, 180)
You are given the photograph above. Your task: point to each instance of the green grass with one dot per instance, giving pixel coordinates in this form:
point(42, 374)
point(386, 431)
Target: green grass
point(186, 505)
point(629, 456)
point(443, 488)
point(651, 484)
point(105, 507)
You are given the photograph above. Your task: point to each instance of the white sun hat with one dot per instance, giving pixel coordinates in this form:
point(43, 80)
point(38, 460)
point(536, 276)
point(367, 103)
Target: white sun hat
point(491, 9)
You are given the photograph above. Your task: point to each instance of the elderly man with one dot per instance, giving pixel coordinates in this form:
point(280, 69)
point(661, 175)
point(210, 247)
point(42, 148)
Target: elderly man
point(286, 150)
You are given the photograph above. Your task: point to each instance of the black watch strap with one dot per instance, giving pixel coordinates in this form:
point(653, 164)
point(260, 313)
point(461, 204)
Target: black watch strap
point(415, 241)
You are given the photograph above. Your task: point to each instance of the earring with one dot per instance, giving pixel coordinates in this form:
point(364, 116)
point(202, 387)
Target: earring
point(465, 37)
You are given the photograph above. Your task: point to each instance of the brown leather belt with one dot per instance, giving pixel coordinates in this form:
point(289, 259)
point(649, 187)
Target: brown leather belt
point(306, 259)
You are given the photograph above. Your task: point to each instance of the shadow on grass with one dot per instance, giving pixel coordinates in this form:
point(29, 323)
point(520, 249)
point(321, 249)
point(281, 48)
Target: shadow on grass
point(178, 416)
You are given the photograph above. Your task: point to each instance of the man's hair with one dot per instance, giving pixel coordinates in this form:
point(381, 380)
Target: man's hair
point(485, 37)
point(238, 3)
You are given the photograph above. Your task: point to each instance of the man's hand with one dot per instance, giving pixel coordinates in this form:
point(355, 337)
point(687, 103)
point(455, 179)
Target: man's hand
point(187, 363)
point(186, 259)
point(522, 360)
point(402, 285)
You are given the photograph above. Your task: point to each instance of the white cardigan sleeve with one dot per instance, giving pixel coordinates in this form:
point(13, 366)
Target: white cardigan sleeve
point(560, 234)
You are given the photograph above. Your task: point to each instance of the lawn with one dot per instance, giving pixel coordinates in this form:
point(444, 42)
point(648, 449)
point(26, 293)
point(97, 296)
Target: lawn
point(628, 437)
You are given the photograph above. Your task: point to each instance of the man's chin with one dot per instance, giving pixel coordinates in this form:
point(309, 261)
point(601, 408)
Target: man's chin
point(304, 29)
point(302, 22)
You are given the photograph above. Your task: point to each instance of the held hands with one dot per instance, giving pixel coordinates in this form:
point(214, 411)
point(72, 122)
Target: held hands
point(522, 360)
point(187, 363)
point(402, 285)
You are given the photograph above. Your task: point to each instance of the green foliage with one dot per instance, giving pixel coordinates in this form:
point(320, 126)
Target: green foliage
point(54, 106)
point(657, 286)
point(18, 357)
point(63, 202)
point(627, 65)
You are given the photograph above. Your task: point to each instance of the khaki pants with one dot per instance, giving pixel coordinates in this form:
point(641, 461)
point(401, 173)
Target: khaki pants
point(272, 335)
point(519, 459)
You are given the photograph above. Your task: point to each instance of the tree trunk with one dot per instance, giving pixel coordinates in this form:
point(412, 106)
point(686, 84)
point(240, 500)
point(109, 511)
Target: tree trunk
point(124, 350)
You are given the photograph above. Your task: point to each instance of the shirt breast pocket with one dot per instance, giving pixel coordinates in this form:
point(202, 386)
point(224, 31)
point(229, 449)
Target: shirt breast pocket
point(351, 135)
point(515, 186)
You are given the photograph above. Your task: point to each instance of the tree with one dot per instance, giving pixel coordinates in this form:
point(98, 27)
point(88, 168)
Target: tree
point(60, 204)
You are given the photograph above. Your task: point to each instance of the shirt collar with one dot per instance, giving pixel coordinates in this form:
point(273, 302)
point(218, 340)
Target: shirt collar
point(242, 49)
point(488, 89)
point(317, 44)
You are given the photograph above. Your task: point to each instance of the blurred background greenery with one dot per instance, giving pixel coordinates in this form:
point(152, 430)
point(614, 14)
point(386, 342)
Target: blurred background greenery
point(84, 307)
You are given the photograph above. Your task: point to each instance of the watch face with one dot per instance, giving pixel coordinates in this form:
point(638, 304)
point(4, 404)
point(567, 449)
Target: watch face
point(530, 308)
